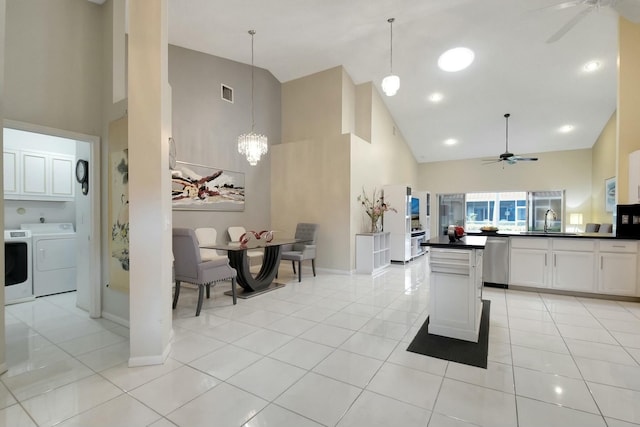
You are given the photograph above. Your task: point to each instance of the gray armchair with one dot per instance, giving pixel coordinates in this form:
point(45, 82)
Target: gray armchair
point(190, 268)
point(304, 250)
point(592, 228)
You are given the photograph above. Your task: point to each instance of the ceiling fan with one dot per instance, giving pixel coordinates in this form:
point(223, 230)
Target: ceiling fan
point(507, 156)
point(629, 9)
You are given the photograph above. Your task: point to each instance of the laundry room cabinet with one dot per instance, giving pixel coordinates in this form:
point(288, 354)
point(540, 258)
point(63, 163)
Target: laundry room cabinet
point(38, 175)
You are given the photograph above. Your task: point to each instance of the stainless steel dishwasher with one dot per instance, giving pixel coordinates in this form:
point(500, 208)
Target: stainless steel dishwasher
point(495, 265)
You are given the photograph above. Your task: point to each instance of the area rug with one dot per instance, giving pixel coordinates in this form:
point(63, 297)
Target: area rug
point(469, 353)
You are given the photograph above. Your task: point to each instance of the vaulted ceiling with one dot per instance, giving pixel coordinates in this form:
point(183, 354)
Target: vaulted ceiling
point(543, 85)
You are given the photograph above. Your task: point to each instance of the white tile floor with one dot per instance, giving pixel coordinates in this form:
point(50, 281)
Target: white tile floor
point(329, 351)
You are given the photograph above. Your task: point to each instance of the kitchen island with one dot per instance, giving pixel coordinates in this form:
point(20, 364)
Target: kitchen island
point(455, 290)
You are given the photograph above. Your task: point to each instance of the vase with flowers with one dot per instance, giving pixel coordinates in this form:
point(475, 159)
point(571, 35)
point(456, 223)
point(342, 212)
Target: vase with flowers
point(375, 208)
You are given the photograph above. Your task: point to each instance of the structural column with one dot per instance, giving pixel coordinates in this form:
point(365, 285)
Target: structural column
point(3, 359)
point(149, 183)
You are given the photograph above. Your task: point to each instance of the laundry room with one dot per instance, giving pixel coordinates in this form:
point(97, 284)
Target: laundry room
point(41, 185)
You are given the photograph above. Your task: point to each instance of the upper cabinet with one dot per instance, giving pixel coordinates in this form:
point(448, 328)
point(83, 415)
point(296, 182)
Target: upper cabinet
point(36, 175)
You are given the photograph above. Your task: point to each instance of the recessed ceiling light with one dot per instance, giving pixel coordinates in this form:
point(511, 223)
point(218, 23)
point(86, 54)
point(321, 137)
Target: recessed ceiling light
point(456, 59)
point(565, 129)
point(450, 141)
point(591, 66)
point(436, 97)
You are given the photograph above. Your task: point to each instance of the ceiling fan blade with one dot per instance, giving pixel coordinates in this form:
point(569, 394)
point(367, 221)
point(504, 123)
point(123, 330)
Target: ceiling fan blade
point(569, 25)
point(491, 161)
point(523, 159)
point(628, 9)
point(565, 5)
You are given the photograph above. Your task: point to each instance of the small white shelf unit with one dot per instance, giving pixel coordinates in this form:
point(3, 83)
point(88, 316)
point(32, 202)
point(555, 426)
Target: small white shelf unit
point(372, 252)
point(407, 229)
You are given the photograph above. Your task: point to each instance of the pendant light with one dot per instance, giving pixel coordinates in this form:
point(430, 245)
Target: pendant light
point(391, 83)
point(252, 145)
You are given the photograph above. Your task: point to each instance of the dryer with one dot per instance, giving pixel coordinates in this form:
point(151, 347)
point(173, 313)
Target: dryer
point(54, 257)
point(18, 274)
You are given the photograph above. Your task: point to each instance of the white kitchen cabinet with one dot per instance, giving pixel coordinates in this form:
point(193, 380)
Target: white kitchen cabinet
point(573, 263)
point(618, 267)
point(372, 252)
point(398, 224)
point(528, 262)
point(35, 175)
point(11, 172)
point(606, 266)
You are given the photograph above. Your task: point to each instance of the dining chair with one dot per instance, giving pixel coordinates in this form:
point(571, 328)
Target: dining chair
point(207, 236)
point(235, 232)
point(191, 268)
point(605, 228)
point(591, 228)
point(306, 249)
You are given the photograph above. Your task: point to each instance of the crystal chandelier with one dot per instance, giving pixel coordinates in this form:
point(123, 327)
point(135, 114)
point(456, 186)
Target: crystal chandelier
point(391, 83)
point(252, 145)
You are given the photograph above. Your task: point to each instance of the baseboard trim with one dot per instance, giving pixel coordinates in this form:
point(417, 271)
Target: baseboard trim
point(116, 319)
point(150, 360)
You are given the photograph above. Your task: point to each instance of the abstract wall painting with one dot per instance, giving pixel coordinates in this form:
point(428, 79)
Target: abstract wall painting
point(199, 187)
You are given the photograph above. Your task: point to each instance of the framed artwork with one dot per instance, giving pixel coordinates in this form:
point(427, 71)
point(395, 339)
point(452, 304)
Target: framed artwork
point(199, 187)
point(610, 194)
point(119, 206)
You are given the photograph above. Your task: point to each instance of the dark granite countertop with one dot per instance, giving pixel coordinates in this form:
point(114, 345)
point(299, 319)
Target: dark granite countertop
point(568, 235)
point(466, 242)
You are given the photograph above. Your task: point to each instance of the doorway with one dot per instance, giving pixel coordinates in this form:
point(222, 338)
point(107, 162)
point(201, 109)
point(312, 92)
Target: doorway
point(85, 210)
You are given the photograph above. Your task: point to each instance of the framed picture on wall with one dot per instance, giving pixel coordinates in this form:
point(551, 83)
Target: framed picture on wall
point(199, 187)
point(610, 194)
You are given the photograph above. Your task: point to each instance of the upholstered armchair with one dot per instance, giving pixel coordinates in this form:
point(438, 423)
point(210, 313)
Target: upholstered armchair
point(591, 228)
point(189, 267)
point(306, 249)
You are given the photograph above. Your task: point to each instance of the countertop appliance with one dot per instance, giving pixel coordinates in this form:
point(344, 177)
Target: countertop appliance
point(495, 266)
point(18, 283)
point(54, 257)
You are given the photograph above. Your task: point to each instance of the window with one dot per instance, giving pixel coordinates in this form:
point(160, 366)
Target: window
point(509, 211)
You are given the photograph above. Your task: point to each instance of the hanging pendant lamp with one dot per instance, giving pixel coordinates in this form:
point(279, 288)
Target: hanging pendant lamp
point(252, 145)
point(391, 83)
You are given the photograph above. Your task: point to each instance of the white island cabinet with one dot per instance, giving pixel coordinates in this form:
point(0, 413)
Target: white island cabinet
point(455, 291)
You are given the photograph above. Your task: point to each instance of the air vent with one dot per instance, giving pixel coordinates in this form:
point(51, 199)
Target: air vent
point(226, 93)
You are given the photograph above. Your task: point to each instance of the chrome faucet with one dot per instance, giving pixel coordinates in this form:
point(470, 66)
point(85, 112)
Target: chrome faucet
point(546, 217)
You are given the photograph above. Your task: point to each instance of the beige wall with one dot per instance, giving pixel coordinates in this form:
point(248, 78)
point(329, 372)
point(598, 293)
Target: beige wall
point(628, 102)
point(322, 166)
point(310, 169)
point(603, 166)
point(54, 64)
point(560, 170)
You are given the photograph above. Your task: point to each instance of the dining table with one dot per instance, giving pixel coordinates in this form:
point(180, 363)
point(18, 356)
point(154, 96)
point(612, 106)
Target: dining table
point(262, 281)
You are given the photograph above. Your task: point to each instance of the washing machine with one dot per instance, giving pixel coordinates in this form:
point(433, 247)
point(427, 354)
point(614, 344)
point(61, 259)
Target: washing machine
point(18, 274)
point(54, 257)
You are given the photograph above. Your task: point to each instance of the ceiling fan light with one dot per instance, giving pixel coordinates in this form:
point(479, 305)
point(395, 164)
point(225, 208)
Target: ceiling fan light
point(456, 59)
point(391, 84)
